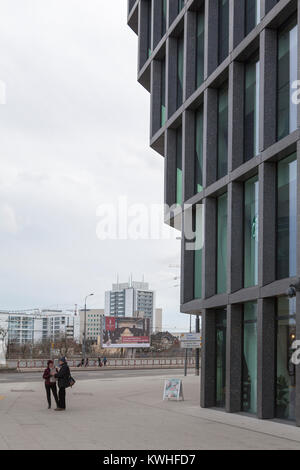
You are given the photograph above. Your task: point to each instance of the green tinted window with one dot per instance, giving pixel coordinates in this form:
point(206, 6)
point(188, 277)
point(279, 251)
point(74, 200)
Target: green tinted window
point(222, 244)
point(179, 166)
point(200, 49)
point(198, 214)
point(251, 123)
point(251, 233)
point(223, 131)
point(287, 74)
point(287, 217)
point(199, 151)
point(285, 369)
point(249, 386)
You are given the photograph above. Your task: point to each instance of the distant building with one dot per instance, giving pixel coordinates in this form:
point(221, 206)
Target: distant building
point(94, 318)
point(40, 325)
point(132, 299)
point(158, 320)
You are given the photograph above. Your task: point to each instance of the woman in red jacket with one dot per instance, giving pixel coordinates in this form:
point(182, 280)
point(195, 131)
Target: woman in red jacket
point(50, 383)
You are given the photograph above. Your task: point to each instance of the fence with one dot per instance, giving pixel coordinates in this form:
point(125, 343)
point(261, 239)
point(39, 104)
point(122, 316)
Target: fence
point(112, 363)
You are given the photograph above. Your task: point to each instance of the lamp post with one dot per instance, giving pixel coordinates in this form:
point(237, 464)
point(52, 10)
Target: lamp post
point(84, 329)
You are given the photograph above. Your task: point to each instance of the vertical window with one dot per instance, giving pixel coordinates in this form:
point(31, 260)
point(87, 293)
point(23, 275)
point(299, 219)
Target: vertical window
point(149, 29)
point(251, 233)
point(221, 323)
point(285, 369)
point(180, 44)
point(223, 29)
point(249, 389)
point(180, 5)
point(199, 150)
point(199, 221)
point(222, 244)
point(287, 74)
point(163, 92)
point(222, 131)
point(200, 49)
point(251, 120)
point(163, 17)
point(252, 14)
point(179, 166)
point(287, 217)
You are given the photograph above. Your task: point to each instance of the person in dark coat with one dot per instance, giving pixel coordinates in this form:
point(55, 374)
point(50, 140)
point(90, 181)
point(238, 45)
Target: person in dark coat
point(63, 376)
point(50, 382)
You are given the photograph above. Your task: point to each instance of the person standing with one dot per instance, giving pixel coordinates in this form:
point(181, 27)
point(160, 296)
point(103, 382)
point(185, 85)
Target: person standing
point(50, 383)
point(63, 376)
point(104, 361)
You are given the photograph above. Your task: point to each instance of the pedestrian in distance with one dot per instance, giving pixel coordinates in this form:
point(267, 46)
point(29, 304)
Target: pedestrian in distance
point(87, 362)
point(50, 382)
point(99, 362)
point(63, 376)
point(104, 361)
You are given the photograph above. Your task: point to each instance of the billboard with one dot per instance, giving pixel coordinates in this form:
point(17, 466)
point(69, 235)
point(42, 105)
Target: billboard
point(126, 332)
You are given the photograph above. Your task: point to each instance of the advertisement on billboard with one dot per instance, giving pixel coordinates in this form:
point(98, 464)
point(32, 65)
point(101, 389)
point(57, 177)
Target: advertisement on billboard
point(126, 332)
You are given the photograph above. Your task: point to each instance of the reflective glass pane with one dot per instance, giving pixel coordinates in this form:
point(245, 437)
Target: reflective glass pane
point(223, 29)
point(286, 76)
point(287, 217)
point(222, 244)
point(251, 123)
point(221, 319)
point(223, 131)
point(200, 49)
point(199, 151)
point(251, 233)
point(179, 166)
point(249, 391)
point(286, 371)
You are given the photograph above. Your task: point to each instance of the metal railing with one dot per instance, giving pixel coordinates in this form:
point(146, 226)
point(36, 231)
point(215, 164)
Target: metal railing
point(111, 363)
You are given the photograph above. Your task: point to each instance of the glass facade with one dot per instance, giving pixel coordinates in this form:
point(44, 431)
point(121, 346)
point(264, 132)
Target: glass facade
point(180, 44)
point(249, 365)
point(252, 14)
point(286, 75)
point(251, 119)
point(222, 131)
point(221, 321)
point(200, 49)
point(198, 218)
point(179, 166)
point(223, 29)
point(199, 150)
point(285, 369)
point(287, 217)
point(163, 93)
point(222, 244)
point(251, 232)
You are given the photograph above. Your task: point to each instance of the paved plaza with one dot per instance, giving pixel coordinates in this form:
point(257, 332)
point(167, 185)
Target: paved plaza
point(115, 410)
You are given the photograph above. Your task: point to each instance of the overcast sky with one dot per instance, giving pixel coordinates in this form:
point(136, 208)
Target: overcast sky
point(74, 134)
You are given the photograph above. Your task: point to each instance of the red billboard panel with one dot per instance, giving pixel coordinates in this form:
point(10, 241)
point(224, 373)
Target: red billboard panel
point(126, 332)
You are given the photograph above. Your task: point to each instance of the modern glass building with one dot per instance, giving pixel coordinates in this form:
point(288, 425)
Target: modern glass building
point(222, 75)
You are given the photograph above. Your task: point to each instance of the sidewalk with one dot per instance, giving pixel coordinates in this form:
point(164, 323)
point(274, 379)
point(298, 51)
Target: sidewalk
point(129, 413)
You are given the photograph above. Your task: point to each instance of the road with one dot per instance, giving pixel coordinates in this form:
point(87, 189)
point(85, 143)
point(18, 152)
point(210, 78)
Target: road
point(30, 377)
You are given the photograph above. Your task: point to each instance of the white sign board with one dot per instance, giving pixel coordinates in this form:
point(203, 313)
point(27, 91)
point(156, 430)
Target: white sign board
point(190, 340)
point(173, 389)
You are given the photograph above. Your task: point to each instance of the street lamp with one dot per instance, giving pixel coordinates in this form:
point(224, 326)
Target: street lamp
point(84, 329)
